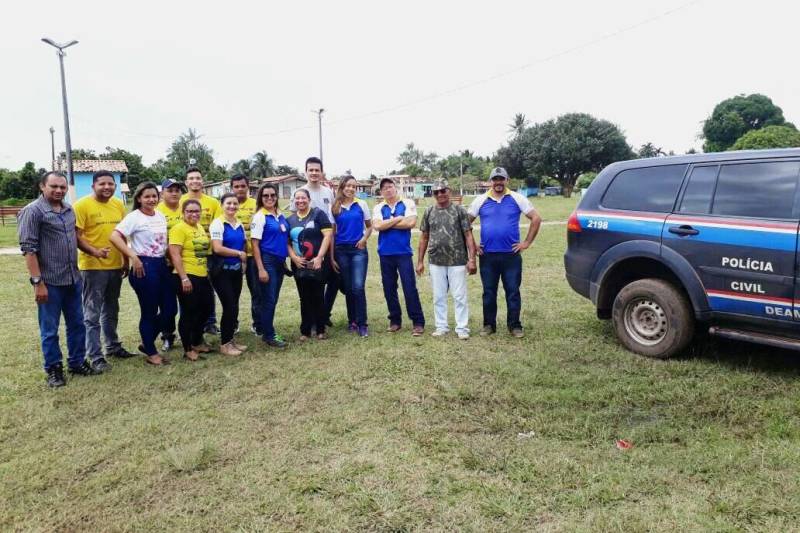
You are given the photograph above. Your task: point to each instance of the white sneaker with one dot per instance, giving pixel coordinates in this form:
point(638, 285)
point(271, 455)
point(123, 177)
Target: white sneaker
point(439, 333)
point(463, 335)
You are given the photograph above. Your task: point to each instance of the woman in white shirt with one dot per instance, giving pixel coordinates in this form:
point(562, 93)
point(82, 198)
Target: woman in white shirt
point(145, 229)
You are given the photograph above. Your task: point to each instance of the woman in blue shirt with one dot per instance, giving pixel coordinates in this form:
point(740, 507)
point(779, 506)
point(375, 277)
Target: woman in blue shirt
point(269, 233)
point(353, 228)
point(228, 243)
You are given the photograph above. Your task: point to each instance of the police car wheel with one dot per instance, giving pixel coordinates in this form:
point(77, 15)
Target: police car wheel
point(653, 318)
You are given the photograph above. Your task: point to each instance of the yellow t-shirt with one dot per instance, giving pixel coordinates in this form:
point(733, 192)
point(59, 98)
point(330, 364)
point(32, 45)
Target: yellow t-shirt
point(210, 209)
point(245, 216)
point(173, 217)
point(196, 247)
point(97, 220)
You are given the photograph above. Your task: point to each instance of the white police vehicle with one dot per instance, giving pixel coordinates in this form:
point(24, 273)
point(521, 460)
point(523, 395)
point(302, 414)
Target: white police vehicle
point(662, 245)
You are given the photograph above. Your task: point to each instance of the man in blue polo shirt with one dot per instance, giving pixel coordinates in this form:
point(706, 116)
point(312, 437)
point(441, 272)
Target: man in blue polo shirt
point(394, 218)
point(500, 248)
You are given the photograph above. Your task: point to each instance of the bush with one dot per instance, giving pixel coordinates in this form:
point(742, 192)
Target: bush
point(768, 137)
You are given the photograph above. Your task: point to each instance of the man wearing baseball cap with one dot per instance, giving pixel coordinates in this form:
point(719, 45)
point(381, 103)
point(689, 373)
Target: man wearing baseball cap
point(169, 206)
point(447, 234)
point(500, 248)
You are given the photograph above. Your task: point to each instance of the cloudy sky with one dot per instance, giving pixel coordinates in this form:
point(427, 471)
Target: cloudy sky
point(445, 75)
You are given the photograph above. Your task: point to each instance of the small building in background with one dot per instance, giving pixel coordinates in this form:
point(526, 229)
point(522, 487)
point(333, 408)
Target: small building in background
point(84, 169)
point(286, 185)
point(409, 186)
point(364, 188)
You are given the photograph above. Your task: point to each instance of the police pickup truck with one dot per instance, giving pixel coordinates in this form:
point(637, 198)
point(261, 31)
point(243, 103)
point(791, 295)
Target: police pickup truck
point(662, 246)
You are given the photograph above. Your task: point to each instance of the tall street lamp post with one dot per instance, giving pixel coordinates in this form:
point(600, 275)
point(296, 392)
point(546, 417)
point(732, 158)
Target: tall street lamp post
point(319, 118)
point(68, 140)
point(52, 149)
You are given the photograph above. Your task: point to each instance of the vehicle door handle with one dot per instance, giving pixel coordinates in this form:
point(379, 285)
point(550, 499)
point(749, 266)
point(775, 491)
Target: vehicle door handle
point(683, 231)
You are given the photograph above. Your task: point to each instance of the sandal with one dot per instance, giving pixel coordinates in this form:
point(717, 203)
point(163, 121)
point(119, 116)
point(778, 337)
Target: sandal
point(194, 357)
point(154, 360)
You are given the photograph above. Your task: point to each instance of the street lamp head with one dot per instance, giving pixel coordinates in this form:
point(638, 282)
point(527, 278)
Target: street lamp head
point(54, 44)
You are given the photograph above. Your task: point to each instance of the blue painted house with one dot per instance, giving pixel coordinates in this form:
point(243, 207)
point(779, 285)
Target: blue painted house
point(83, 169)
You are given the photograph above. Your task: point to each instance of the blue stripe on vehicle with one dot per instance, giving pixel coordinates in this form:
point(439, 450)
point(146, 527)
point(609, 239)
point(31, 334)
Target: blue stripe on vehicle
point(772, 240)
point(624, 225)
point(729, 305)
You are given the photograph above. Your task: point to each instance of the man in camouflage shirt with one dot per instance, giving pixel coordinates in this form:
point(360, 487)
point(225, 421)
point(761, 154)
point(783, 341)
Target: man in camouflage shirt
point(447, 234)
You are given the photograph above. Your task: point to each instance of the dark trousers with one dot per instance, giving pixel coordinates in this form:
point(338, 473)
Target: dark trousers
point(353, 267)
point(332, 283)
point(228, 284)
point(156, 294)
point(270, 291)
point(64, 299)
point(195, 308)
point(508, 267)
point(312, 309)
point(391, 266)
point(251, 276)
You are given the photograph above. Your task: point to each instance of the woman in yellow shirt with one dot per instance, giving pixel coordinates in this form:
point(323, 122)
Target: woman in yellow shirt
point(189, 247)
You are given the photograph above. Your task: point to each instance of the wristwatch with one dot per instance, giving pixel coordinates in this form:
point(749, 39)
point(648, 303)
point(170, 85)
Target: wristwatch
point(35, 280)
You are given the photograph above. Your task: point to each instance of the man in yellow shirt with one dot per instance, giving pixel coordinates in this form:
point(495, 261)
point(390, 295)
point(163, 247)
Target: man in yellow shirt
point(169, 206)
point(240, 186)
point(210, 209)
point(210, 206)
point(102, 268)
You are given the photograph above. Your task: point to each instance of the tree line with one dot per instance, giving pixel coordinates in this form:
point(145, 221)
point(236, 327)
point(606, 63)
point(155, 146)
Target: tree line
point(568, 150)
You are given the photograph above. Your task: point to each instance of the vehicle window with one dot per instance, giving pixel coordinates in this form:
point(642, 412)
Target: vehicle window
point(697, 197)
point(645, 189)
point(764, 190)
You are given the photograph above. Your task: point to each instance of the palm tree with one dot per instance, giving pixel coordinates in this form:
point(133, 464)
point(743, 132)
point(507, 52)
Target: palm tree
point(519, 124)
point(263, 165)
point(243, 166)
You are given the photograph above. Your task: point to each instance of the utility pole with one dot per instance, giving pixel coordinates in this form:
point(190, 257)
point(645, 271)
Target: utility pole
point(52, 149)
point(68, 140)
point(319, 119)
point(461, 175)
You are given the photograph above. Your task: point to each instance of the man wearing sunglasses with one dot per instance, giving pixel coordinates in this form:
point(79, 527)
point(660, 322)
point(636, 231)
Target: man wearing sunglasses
point(447, 235)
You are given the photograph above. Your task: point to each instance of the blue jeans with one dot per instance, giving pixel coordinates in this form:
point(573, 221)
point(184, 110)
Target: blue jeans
point(64, 299)
point(251, 277)
point(353, 267)
point(391, 266)
point(508, 267)
point(269, 293)
point(332, 283)
point(157, 301)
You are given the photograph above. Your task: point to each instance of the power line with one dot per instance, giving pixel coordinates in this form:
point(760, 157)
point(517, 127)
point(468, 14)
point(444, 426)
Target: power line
point(452, 90)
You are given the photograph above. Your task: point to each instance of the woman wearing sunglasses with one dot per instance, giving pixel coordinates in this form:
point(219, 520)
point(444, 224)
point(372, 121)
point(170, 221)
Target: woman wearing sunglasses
point(269, 232)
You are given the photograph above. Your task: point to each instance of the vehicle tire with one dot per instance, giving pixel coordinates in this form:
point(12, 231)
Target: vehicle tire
point(653, 318)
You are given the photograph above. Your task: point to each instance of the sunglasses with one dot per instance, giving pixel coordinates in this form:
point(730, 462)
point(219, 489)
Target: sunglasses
point(441, 191)
point(192, 212)
point(269, 195)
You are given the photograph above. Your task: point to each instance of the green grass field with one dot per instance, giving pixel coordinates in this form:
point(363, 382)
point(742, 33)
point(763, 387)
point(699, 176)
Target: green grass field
point(394, 433)
point(8, 236)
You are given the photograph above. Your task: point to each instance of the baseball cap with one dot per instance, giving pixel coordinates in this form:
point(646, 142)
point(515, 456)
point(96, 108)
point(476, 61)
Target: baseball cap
point(169, 182)
point(498, 172)
point(384, 180)
point(440, 184)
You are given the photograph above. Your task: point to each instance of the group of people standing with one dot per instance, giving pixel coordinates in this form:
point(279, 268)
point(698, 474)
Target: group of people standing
point(179, 246)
